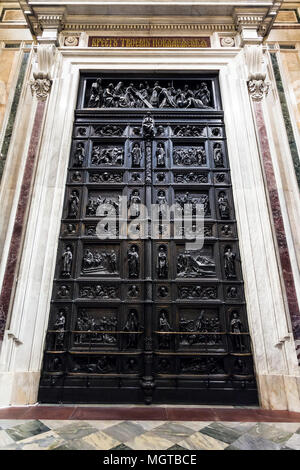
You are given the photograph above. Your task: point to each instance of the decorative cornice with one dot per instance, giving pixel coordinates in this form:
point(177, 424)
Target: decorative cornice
point(51, 21)
point(243, 20)
point(149, 27)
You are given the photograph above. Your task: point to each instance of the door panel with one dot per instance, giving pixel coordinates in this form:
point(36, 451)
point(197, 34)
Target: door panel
point(145, 318)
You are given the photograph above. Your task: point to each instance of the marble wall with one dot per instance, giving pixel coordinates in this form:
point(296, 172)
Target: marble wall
point(21, 355)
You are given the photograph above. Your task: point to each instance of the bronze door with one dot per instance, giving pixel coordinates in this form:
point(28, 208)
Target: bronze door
point(137, 314)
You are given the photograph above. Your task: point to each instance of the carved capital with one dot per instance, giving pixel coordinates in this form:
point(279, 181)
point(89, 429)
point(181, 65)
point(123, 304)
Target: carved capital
point(257, 86)
point(257, 89)
point(41, 88)
point(41, 83)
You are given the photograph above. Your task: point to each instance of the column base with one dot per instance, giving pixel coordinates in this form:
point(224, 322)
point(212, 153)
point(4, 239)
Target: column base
point(19, 388)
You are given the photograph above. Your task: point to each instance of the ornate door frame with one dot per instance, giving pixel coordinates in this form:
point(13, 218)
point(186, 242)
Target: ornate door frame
point(276, 368)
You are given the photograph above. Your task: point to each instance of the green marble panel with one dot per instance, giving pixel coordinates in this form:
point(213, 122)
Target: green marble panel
point(286, 117)
point(13, 112)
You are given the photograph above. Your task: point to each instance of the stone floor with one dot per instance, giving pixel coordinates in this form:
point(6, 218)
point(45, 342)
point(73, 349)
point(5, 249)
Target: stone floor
point(103, 434)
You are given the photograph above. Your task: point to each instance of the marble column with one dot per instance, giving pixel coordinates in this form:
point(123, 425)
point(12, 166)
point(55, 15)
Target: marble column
point(257, 89)
point(23, 203)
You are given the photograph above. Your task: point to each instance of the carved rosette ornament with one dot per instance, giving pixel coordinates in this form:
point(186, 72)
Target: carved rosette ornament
point(258, 88)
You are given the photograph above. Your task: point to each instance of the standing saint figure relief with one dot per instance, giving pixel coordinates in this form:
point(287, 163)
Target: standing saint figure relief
point(132, 326)
point(136, 155)
point(160, 155)
point(73, 204)
point(229, 263)
point(162, 262)
point(133, 262)
point(67, 258)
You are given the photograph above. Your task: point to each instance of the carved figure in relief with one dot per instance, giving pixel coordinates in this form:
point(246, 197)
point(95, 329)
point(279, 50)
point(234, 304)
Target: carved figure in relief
point(229, 263)
point(160, 155)
point(136, 177)
point(59, 325)
point(226, 230)
point(76, 176)
point(189, 156)
point(106, 177)
point(63, 291)
point(136, 155)
point(186, 292)
point(142, 95)
point(166, 97)
point(162, 202)
point(133, 262)
point(99, 261)
point(132, 326)
point(218, 156)
point(188, 202)
point(160, 131)
point(190, 264)
point(164, 326)
point(79, 154)
point(241, 367)
point(134, 203)
point(188, 131)
point(232, 292)
point(107, 155)
point(67, 258)
point(96, 94)
point(74, 204)
point(162, 291)
point(108, 130)
point(223, 206)
point(148, 126)
point(236, 327)
point(162, 262)
point(70, 229)
point(133, 291)
point(103, 292)
point(108, 96)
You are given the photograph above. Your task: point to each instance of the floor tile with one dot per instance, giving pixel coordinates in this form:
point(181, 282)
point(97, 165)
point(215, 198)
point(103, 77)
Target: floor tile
point(294, 442)
point(221, 433)
point(249, 442)
point(148, 425)
point(101, 441)
point(76, 430)
point(5, 439)
point(45, 441)
point(27, 429)
point(239, 426)
point(121, 447)
point(10, 423)
point(125, 431)
point(195, 425)
point(55, 424)
point(103, 424)
point(176, 447)
point(288, 427)
point(270, 432)
point(149, 441)
point(173, 432)
point(202, 442)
